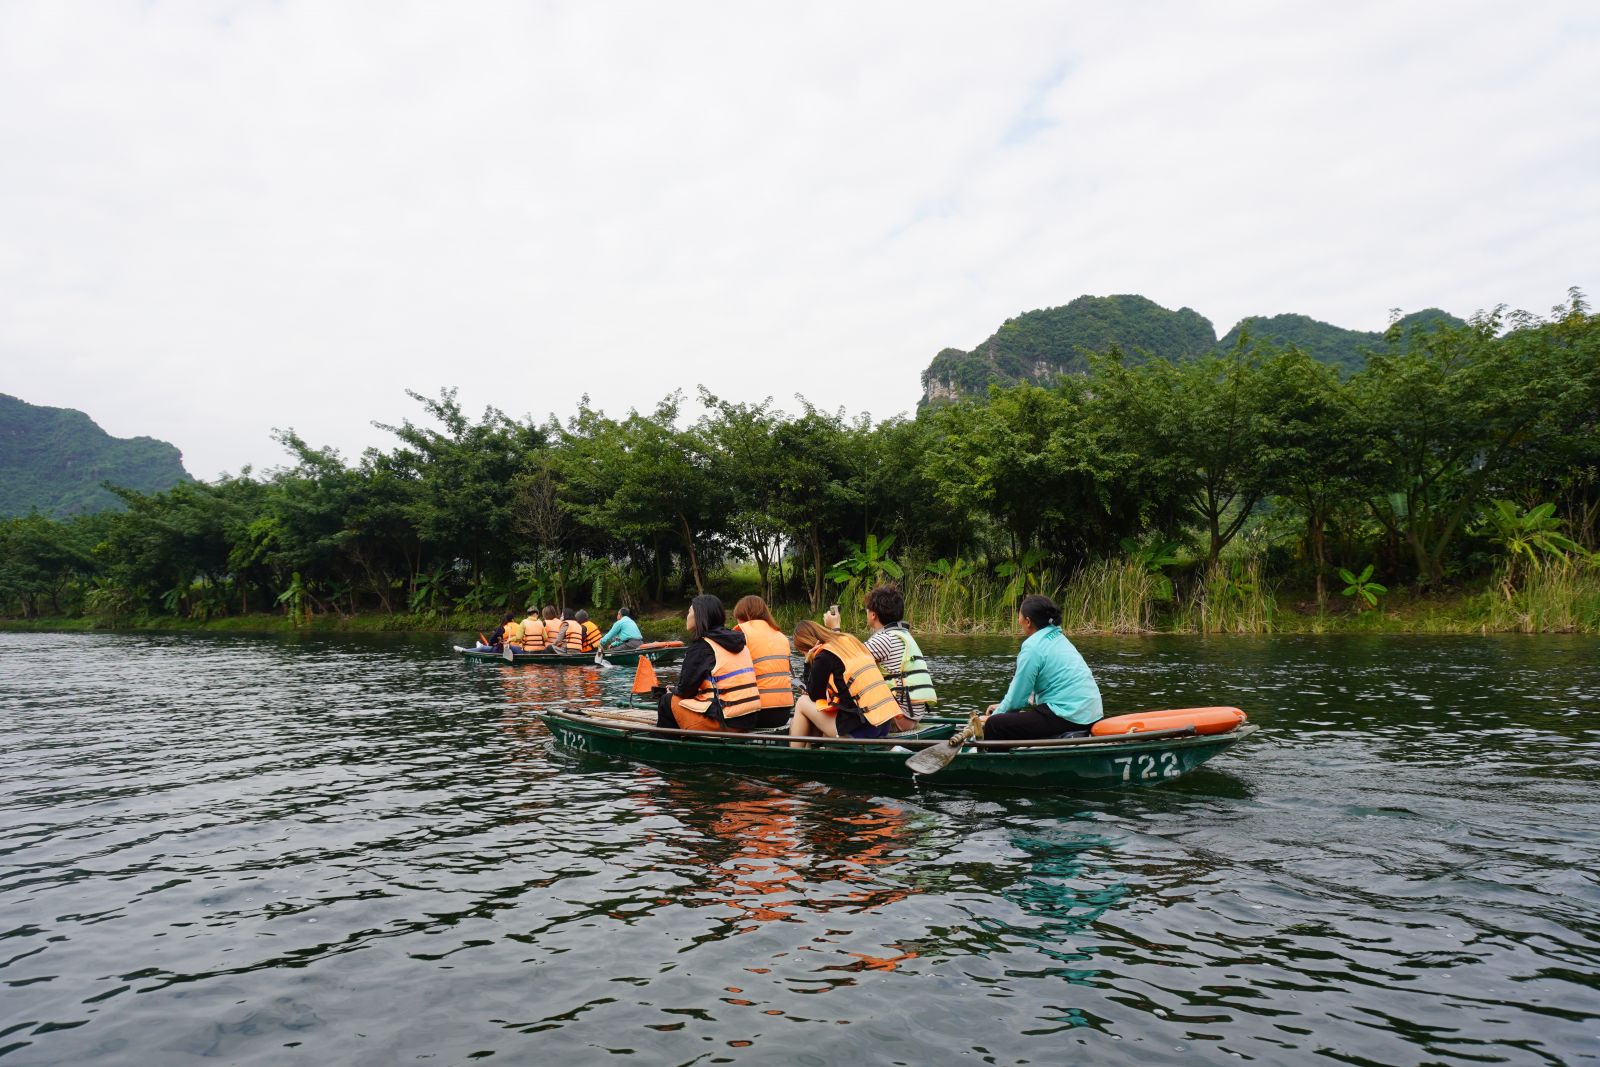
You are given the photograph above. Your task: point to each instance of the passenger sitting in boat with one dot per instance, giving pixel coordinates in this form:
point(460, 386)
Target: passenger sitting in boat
point(845, 692)
point(570, 637)
point(769, 654)
point(552, 628)
point(717, 683)
point(898, 655)
point(591, 632)
point(510, 632)
point(1052, 694)
point(624, 634)
point(533, 631)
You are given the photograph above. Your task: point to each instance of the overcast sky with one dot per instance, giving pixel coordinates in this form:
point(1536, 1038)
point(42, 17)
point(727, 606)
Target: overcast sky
point(219, 218)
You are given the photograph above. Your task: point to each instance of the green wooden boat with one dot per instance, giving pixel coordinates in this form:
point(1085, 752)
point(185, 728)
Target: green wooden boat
point(1062, 764)
point(659, 654)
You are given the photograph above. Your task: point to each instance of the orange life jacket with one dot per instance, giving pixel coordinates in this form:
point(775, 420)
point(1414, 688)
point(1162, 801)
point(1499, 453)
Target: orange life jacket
point(591, 637)
point(572, 640)
point(511, 634)
point(769, 654)
point(533, 634)
point(865, 682)
point(732, 682)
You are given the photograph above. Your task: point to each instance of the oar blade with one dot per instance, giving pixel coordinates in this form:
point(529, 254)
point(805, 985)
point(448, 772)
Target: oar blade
point(508, 655)
point(936, 758)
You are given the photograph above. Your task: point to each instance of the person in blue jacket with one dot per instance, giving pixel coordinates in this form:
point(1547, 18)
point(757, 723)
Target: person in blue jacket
point(1053, 694)
point(624, 633)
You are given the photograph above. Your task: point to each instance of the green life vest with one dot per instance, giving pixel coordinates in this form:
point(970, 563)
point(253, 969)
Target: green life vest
point(912, 676)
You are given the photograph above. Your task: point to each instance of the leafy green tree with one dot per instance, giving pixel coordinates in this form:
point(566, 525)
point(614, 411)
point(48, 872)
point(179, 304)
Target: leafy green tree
point(1204, 429)
point(1449, 413)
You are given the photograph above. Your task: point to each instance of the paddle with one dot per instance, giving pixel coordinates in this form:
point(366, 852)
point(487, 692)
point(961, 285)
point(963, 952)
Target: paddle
point(936, 758)
point(506, 653)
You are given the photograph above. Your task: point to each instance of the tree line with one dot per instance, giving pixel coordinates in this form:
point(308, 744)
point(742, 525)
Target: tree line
point(1440, 462)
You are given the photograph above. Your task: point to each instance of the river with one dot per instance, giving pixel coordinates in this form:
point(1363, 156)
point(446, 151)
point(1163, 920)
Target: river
point(359, 850)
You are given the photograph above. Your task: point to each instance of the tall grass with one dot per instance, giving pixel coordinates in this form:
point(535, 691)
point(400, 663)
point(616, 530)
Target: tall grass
point(1116, 596)
point(1556, 597)
point(1229, 598)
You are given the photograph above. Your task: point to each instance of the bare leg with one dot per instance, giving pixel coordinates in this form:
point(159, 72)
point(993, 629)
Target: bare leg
point(809, 719)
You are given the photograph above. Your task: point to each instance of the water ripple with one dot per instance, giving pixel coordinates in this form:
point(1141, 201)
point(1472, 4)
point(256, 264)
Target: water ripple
point(363, 850)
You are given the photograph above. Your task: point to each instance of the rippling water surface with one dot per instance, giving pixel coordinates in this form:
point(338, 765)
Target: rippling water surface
point(360, 850)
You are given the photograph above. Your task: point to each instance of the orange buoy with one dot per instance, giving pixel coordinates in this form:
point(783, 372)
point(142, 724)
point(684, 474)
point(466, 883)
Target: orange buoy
point(1204, 721)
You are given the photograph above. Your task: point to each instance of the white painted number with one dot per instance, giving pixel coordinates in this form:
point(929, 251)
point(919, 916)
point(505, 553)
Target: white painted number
point(1164, 765)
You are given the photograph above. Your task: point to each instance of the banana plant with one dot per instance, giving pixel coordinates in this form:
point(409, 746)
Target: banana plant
point(864, 567)
point(1154, 557)
point(1532, 537)
point(1362, 587)
point(1023, 576)
point(428, 591)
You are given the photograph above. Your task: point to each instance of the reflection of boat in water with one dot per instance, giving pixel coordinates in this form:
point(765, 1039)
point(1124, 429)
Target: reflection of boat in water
point(1062, 763)
point(660, 653)
point(767, 854)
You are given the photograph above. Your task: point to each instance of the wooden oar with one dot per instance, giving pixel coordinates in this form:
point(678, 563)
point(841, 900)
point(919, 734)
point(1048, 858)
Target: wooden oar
point(506, 653)
point(936, 758)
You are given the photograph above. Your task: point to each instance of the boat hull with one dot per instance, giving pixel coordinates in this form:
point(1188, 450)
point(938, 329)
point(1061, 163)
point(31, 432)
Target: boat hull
point(658, 656)
point(1112, 762)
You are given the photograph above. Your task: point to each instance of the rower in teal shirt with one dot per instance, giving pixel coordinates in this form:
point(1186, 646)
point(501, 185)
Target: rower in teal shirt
point(624, 633)
point(1053, 693)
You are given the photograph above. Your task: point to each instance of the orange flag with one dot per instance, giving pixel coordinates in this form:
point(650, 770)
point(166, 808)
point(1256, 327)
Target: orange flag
point(644, 676)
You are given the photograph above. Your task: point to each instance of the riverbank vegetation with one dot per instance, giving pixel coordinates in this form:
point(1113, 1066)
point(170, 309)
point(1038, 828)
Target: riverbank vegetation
point(1452, 484)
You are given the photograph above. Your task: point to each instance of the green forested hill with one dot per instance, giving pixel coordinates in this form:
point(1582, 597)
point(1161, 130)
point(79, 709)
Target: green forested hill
point(1038, 345)
point(54, 459)
point(1345, 349)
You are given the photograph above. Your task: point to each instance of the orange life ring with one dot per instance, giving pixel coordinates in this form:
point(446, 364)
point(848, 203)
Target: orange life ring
point(1204, 721)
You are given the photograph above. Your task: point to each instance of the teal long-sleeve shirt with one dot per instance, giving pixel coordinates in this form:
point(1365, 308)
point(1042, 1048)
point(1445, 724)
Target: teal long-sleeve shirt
point(624, 629)
point(1051, 671)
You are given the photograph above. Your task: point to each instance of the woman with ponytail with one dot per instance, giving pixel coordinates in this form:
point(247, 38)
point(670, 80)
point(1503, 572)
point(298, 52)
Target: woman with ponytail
point(1052, 694)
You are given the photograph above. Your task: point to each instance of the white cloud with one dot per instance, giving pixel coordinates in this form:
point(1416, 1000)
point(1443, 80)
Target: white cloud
point(218, 220)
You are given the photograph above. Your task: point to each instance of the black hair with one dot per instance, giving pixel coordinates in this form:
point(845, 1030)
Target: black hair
point(582, 616)
point(508, 618)
point(887, 604)
point(1039, 610)
point(625, 613)
point(708, 614)
point(569, 615)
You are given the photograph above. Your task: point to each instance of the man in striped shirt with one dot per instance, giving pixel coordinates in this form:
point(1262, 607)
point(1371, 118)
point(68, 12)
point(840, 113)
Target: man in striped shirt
point(897, 653)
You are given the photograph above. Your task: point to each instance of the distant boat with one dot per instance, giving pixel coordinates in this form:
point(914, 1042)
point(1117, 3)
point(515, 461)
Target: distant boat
point(657, 652)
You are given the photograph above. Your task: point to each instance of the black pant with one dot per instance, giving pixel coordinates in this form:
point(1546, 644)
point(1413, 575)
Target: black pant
point(1031, 724)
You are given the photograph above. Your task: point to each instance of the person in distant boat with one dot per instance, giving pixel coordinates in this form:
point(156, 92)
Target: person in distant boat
point(509, 633)
point(897, 652)
point(1053, 693)
point(533, 631)
point(569, 638)
point(845, 694)
point(769, 654)
point(624, 635)
point(716, 687)
point(552, 628)
point(591, 632)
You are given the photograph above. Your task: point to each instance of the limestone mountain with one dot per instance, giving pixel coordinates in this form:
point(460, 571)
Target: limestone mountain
point(55, 459)
point(1036, 346)
point(1345, 349)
